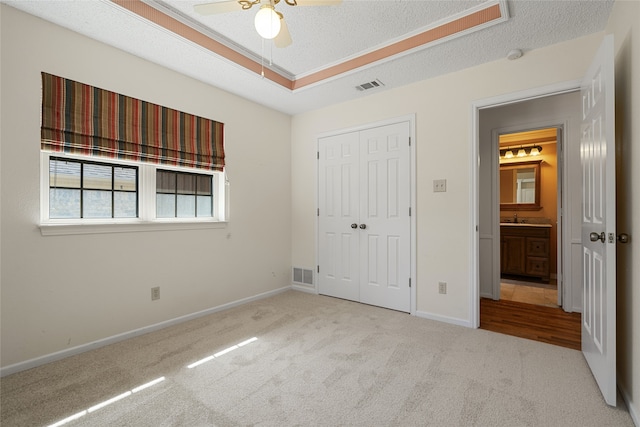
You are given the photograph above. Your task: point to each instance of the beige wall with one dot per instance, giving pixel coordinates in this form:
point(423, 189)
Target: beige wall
point(443, 115)
point(59, 292)
point(624, 23)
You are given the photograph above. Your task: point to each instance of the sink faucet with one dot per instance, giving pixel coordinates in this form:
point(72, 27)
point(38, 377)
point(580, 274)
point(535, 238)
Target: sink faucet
point(515, 217)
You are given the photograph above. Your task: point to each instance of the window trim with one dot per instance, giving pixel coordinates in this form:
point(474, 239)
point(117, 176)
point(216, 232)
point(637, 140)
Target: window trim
point(146, 220)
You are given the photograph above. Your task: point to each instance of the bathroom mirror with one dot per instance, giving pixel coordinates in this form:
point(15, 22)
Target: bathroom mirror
point(520, 186)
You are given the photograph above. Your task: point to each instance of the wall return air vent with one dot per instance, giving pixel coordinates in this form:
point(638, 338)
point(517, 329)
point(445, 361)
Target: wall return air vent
point(302, 276)
point(370, 85)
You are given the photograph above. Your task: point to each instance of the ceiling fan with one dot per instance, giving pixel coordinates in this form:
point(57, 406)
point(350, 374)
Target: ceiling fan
point(269, 22)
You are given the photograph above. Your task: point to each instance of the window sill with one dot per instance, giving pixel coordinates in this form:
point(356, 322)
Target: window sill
point(62, 229)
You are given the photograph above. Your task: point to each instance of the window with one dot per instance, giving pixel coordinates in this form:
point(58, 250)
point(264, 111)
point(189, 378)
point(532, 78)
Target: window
point(82, 189)
point(82, 195)
point(183, 195)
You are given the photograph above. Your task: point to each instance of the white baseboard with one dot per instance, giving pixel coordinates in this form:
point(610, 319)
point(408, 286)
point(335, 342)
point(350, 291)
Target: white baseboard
point(32, 363)
point(629, 403)
point(445, 319)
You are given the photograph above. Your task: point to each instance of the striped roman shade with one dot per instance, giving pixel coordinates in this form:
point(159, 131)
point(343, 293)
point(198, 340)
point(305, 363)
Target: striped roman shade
point(82, 119)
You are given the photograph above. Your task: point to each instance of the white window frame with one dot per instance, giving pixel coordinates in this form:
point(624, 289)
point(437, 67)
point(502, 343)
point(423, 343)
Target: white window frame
point(146, 220)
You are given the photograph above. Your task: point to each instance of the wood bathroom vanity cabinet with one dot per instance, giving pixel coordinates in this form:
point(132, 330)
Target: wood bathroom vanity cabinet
point(524, 250)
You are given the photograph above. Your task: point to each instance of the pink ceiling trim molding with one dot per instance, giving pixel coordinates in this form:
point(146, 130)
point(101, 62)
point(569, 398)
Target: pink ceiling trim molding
point(162, 19)
point(429, 36)
point(448, 29)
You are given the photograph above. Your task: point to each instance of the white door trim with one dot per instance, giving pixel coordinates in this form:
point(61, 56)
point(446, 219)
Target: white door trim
point(411, 118)
point(474, 159)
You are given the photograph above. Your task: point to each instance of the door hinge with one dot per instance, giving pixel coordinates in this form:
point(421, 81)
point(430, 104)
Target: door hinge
point(318, 211)
point(409, 281)
point(318, 269)
point(318, 155)
point(409, 210)
point(409, 141)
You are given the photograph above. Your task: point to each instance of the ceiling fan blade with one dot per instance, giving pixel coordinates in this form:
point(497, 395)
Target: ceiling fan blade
point(217, 7)
point(318, 2)
point(283, 39)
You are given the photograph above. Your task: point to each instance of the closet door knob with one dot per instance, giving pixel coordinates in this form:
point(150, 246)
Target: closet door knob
point(354, 225)
point(363, 226)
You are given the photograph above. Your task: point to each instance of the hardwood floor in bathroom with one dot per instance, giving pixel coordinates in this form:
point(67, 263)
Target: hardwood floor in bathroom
point(539, 318)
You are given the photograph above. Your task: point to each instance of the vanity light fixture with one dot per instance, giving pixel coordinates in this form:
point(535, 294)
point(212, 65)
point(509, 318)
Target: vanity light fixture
point(523, 151)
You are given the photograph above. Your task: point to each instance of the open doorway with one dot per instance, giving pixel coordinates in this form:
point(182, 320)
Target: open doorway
point(562, 209)
point(548, 259)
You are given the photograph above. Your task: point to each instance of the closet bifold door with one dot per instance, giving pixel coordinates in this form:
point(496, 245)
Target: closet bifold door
point(338, 204)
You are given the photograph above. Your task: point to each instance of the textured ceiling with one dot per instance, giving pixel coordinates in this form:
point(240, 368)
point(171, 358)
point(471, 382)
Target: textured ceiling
point(324, 36)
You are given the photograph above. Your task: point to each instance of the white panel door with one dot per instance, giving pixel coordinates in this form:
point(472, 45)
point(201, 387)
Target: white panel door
point(338, 204)
point(364, 228)
point(384, 211)
point(599, 221)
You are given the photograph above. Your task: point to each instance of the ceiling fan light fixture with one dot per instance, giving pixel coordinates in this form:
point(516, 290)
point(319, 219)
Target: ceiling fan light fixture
point(267, 22)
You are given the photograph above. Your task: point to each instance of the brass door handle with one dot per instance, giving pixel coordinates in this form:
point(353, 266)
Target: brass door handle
point(594, 237)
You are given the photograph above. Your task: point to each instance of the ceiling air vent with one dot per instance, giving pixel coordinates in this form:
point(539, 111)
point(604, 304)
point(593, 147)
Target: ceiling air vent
point(369, 85)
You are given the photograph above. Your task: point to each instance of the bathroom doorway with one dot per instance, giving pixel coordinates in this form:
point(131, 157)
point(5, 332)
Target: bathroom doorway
point(556, 264)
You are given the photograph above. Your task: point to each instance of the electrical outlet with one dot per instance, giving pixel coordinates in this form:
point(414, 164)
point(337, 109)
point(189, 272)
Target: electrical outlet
point(439, 185)
point(155, 293)
point(442, 287)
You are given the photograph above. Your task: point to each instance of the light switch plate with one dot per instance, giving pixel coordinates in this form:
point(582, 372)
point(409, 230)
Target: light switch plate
point(439, 185)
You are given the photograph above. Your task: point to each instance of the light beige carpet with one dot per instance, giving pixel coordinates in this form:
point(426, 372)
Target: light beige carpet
point(317, 361)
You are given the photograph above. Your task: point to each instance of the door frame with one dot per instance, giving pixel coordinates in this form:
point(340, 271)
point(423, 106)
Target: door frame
point(474, 163)
point(411, 118)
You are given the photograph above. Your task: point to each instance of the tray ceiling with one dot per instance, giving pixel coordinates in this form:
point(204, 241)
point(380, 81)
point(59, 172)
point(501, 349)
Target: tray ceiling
point(335, 48)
